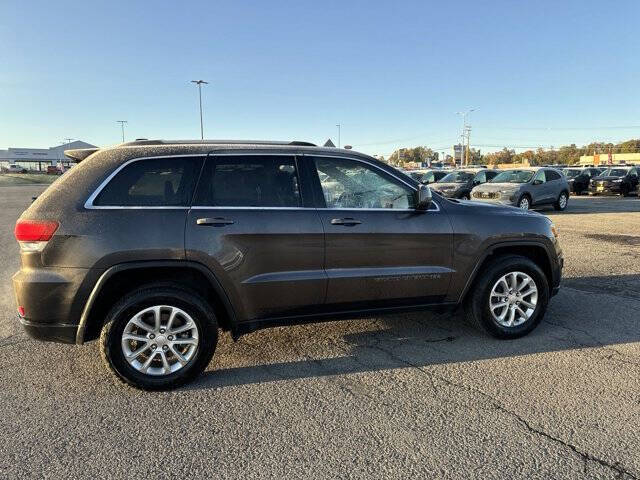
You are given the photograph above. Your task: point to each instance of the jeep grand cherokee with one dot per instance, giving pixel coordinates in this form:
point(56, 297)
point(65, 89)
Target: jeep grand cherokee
point(152, 246)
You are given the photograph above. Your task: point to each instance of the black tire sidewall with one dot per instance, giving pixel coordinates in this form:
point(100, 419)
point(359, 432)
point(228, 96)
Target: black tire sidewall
point(482, 299)
point(199, 311)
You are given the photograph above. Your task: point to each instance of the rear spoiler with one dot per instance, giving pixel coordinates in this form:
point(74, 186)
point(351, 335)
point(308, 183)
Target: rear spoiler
point(79, 154)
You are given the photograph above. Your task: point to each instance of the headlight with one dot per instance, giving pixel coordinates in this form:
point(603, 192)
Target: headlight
point(555, 231)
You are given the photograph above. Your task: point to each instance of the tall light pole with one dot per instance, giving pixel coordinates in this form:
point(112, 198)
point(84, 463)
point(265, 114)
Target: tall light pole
point(122, 122)
point(200, 83)
point(338, 125)
point(464, 129)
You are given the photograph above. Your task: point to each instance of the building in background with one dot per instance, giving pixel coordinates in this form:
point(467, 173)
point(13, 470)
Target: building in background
point(39, 159)
point(602, 159)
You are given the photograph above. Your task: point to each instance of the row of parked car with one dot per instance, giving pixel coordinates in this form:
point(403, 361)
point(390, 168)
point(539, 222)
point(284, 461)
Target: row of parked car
point(531, 186)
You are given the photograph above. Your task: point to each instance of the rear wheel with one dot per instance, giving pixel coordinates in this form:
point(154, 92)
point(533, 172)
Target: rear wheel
point(465, 196)
point(158, 338)
point(562, 201)
point(509, 299)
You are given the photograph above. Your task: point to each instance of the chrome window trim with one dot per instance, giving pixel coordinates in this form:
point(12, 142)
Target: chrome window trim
point(89, 203)
point(90, 206)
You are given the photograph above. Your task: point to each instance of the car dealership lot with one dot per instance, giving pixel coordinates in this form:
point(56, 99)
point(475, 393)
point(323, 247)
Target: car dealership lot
point(417, 394)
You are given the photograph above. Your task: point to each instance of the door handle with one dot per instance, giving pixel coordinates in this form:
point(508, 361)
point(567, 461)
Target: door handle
point(349, 222)
point(214, 222)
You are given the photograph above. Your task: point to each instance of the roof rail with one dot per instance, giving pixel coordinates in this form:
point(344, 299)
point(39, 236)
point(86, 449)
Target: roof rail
point(140, 142)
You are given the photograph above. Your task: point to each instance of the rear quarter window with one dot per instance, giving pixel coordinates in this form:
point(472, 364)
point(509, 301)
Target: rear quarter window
point(161, 182)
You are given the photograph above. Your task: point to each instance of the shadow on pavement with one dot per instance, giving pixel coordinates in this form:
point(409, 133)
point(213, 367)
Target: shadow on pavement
point(575, 319)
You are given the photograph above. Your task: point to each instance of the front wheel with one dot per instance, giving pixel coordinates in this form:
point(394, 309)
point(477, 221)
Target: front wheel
point(524, 203)
point(158, 338)
point(562, 201)
point(509, 299)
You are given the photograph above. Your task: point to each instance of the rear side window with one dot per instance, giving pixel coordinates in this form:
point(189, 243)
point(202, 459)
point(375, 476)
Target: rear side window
point(160, 182)
point(249, 181)
point(551, 175)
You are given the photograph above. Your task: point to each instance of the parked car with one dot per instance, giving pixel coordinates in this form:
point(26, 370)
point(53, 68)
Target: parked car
point(53, 170)
point(426, 176)
point(458, 184)
point(616, 180)
point(526, 188)
point(15, 168)
point(152, 246)
point(579, 178)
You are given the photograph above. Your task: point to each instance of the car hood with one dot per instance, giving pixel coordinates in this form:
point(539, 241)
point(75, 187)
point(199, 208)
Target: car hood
point(445, 186)
point(498, 187)
point(496, 209)
point(607, 178)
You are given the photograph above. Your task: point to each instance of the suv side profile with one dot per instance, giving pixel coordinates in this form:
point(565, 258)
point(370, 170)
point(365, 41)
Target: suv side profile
point(526, 188)
point(152, 246)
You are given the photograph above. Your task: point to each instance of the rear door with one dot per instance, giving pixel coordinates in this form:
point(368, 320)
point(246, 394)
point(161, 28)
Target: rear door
point(252, 225)
point(379, 251)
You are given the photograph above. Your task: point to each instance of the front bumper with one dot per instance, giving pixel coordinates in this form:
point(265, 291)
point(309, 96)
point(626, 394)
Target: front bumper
point(604, 189)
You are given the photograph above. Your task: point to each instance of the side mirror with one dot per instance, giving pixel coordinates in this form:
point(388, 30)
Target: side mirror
point(537, 182)
point(423, 199)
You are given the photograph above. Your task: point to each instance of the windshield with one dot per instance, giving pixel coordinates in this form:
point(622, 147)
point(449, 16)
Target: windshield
point(456, 177)
point(513, 176)
point(614, 172)
point(571, 172)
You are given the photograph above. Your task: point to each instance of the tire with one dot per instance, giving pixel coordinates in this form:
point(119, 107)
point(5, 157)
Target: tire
point(562, 202)
point(193, 358)
point(477, 304)
point(466, 196)
point(625, 191)
point(524, 199)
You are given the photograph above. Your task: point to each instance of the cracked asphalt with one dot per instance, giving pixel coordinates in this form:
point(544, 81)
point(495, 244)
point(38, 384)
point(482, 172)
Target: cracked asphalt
point(405, 396)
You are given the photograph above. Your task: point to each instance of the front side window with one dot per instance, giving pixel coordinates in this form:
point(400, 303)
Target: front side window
point(352, 184)
point(249, 181)
point(155, 182)
point(540, 177)
point(481, 177)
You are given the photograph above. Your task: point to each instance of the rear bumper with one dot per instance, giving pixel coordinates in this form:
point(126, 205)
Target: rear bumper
point(50, 332)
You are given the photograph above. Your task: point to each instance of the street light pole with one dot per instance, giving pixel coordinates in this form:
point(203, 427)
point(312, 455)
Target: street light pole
point(338, 125)
point(122, 122)
point(200, 83)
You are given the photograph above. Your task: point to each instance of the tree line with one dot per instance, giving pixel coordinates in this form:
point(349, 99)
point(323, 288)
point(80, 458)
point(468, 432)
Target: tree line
point(565, 155)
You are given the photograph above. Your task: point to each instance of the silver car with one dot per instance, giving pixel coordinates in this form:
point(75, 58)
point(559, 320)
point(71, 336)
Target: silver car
point(525, 188)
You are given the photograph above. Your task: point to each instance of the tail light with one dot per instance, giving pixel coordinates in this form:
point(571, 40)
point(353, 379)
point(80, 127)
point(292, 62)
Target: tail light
point(33, 235)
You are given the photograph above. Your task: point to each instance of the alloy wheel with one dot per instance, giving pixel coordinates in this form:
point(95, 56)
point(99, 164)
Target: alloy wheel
point(513, 299)
point(524, 203)
point(160, 340)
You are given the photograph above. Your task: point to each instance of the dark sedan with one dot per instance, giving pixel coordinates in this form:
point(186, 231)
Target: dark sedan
point(617, 180)
point(426, 176)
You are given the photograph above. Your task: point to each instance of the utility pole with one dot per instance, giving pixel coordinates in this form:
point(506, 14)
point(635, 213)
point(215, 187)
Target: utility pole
point(468, 132)
point(464, 129)
point(338, 125)
point(200, 83)
point(122, 122)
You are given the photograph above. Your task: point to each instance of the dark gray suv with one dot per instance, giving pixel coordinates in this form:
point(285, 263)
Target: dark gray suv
point(152, 246)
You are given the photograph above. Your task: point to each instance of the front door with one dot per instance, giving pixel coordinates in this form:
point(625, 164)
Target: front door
point(250, 226)
point(379, 250)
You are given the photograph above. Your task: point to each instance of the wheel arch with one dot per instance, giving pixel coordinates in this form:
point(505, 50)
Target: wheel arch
point(534, 251)
point(121, 278)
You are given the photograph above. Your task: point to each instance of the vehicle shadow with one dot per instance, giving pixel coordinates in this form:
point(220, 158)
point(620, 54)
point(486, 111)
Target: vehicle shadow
point(602, 204)
point(576, 319)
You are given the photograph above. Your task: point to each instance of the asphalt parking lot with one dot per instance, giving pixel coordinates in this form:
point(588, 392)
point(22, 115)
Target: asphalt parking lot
point(405, 396)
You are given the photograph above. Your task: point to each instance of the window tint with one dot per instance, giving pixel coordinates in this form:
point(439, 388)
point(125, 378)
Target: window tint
point(249, 181)
point(161, 182)
point(351, 184)
point(552, 175)
point(540, 176)
point(481, 177)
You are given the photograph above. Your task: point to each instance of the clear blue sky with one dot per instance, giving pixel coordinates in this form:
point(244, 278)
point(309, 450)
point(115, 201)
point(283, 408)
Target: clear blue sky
point(392, 73)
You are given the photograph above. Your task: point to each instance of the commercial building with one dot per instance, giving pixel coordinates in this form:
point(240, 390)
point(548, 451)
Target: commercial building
point(616, 158)
point(39, 158)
